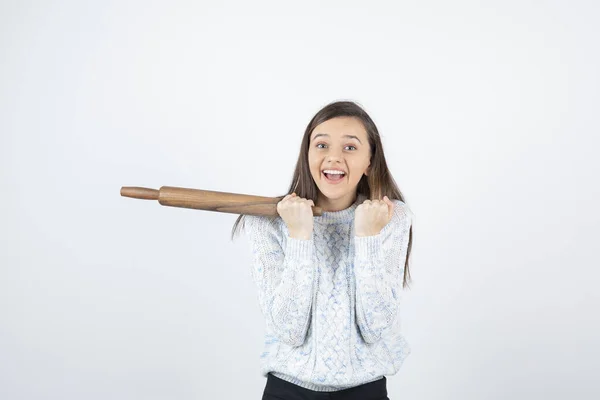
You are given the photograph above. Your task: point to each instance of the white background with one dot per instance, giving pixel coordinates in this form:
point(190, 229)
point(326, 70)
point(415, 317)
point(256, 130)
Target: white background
point(489, 117)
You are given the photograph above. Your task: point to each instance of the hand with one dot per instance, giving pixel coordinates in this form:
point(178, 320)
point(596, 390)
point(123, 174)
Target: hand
point(372, 216)
point(297, 214)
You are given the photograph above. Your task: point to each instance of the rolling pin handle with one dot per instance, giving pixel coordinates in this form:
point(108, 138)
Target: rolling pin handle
point(139, 192)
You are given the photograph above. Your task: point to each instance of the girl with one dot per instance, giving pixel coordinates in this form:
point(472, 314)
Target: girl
point(329, 286)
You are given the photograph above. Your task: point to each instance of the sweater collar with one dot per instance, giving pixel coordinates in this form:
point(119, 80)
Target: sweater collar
point(343, 216)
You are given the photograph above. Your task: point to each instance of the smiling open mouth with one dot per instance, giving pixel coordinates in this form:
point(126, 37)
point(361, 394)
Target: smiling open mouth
point(334, 178)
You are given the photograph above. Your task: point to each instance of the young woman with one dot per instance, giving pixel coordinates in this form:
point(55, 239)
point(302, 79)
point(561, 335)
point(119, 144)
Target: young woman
point(329, 286)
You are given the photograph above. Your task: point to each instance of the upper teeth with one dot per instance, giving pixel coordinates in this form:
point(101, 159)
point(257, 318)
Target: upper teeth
point(332, 171)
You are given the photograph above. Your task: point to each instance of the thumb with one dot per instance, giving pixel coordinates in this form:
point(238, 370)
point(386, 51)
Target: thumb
point(391, 206)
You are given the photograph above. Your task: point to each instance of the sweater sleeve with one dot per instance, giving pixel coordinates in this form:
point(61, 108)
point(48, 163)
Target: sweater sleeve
point(379, 269)
point(284, 276)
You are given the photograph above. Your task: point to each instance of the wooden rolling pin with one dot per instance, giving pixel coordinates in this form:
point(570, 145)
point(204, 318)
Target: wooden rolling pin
point(208, 200)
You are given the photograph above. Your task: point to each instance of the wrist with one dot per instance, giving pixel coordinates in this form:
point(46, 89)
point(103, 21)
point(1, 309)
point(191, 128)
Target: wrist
point(300, 235)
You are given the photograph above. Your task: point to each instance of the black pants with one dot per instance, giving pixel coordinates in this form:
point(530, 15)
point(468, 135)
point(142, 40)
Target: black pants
point(279, 389)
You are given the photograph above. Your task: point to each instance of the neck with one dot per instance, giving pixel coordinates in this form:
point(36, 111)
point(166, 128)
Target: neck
point(332, 205)
point(340, 215)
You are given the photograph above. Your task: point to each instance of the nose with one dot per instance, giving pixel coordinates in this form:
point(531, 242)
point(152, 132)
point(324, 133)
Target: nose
point(334, 156)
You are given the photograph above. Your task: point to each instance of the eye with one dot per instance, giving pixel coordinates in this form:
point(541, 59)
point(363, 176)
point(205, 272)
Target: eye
point(317, 146)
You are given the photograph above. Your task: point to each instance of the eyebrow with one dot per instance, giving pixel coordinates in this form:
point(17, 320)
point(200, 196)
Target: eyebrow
point(345, 136)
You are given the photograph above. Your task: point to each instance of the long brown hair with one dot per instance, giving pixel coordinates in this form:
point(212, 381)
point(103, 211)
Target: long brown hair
point(377, 184)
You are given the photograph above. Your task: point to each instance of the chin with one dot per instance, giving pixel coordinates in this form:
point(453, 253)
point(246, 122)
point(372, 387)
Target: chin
point(334, 195)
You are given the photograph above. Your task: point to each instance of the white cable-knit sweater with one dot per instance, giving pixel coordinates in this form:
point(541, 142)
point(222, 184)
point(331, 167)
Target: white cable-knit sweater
point(331, 303)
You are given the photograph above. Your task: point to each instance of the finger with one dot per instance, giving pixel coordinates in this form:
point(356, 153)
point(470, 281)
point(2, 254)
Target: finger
point(290, 197)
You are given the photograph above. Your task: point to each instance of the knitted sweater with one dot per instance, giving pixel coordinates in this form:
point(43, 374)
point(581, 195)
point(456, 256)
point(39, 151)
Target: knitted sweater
point(331, 303)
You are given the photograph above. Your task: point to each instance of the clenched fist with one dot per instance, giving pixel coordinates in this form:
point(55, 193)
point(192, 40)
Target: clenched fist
point(372, 216)
point(297, 214)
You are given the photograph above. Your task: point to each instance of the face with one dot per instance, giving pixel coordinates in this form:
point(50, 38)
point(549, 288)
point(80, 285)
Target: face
point(340, 143)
